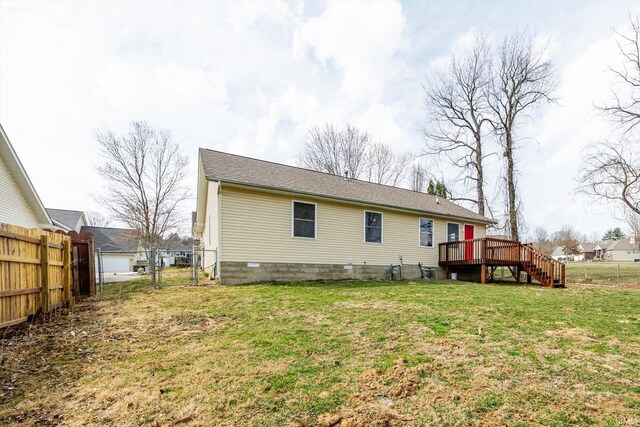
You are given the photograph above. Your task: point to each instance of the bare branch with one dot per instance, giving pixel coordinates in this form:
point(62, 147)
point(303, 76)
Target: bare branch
point(457, 110)
point(144, 170)
point(522, 81)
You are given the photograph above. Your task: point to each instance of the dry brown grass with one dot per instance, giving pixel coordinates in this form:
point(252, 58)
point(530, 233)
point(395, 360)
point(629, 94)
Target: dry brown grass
point(333, 354)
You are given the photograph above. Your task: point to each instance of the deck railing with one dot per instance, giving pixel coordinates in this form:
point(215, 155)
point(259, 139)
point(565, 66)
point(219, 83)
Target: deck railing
point(486, 250)
point(498, 252)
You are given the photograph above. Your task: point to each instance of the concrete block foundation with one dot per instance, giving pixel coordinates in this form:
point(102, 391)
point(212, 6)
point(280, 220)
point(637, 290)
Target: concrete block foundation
point(235, 273)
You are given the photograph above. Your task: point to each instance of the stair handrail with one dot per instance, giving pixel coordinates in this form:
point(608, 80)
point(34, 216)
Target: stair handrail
point(555, 268)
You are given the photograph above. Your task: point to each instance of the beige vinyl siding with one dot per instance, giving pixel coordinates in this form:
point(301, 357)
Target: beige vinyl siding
point(256, 227)
point(14, 208)
point(210, 233)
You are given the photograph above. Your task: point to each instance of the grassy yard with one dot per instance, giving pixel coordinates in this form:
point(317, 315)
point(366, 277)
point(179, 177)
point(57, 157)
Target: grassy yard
point(325, 354)
point(603, 272)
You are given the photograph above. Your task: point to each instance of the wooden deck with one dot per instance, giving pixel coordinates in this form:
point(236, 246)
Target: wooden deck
point(489, 253)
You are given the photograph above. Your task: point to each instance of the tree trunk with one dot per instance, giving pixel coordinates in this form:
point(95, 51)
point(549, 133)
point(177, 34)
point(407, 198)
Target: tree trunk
point(479, 176)
point(511, 188)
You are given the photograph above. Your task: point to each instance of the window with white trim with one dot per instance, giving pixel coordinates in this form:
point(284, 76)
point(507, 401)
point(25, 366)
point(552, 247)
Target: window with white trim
point(453, 232)
point(426, 233)
point(304, 220)
point(372, 227)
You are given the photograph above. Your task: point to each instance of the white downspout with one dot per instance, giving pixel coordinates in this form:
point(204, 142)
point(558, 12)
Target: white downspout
point(219, 248)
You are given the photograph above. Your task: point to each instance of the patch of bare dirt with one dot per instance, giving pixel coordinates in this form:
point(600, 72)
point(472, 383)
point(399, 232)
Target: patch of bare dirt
point(379, 393)
point(578, 334)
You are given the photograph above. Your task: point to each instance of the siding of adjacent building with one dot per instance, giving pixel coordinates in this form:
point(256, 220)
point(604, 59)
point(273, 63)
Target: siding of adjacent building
point(622, 255)
point(210, 233)
point(256, 227)
point(14, 208)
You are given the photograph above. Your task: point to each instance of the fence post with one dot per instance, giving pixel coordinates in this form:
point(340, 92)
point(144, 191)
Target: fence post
point(100, 271)
point(92, 266)
point(618, 274)
point(194, 258)
point(152, 263)
point(44, 273)
point(66, 280)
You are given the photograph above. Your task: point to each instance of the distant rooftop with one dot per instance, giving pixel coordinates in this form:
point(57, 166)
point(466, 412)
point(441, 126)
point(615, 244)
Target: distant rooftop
point(110, 239)
point(66, 217)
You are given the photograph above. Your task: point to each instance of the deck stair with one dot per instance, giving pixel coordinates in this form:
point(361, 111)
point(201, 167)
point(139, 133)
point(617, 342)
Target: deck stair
point(490, 253)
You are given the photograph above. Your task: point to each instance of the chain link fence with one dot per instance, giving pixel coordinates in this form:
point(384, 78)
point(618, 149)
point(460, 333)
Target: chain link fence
point(158, 267)
point(604, 272)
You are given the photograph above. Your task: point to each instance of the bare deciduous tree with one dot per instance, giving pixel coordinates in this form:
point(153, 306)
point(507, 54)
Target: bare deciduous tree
point(633, 220)
point(568, 239)
point(144, 170)
point(624, 109)
point(418, 177)
point(611, 170)
point(352, 152)
point(96, 219)
point(542, 241)
point(457, 107)
point(384, 166)
point(523, 80)
point(330, 150)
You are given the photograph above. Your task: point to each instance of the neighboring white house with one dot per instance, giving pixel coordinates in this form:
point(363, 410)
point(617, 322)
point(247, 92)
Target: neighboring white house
point(586, 251)
point(120, 248)
point(261, 221)
point(559, 255)
point(20, 204)
point(67, 220)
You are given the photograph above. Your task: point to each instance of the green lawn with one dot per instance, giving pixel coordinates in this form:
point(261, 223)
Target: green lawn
point(335, 353)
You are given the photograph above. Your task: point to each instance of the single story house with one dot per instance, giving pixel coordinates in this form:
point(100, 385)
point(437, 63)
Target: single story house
point(67, 220)
point(618, 250)
point(559, 255)
point(20, 204)
point(120, 248)
point(264, 221)
point(170, 250)
point(587, 252)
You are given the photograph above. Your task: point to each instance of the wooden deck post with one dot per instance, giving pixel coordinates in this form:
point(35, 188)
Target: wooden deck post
point(66, 272)
point(483, 273)
point(44, 273)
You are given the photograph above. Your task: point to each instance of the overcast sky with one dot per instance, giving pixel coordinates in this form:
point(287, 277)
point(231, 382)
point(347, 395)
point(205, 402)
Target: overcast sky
point(252, 78)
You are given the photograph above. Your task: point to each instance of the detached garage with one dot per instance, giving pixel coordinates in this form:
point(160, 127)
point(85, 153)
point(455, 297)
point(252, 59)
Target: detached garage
point(119, 246)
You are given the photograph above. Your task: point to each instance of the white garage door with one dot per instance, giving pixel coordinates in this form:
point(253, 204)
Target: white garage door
point(115, 264)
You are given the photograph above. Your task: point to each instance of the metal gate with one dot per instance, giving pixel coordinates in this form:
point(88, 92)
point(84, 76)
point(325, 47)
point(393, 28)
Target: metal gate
point(181, 266)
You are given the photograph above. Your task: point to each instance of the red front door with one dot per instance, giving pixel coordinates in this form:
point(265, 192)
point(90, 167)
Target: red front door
point(468, 235)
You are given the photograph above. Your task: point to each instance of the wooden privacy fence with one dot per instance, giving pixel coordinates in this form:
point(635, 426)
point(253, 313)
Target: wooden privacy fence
point(35, 273)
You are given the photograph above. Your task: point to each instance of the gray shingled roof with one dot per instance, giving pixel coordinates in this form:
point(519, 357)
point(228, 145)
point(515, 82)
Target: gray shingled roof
point(225, 167)
point(113, 239)
point(65, 217)
point(589, 247)
point(623, 245)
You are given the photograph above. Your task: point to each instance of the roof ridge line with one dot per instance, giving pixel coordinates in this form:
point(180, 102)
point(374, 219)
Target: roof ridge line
point(321, 172)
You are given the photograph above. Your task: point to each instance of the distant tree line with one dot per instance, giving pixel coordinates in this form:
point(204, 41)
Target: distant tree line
point(570, 239)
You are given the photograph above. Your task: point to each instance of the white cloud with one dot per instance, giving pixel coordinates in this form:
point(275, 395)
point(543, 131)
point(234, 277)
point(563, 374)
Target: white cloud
point(361, 41)
point(252, 78)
